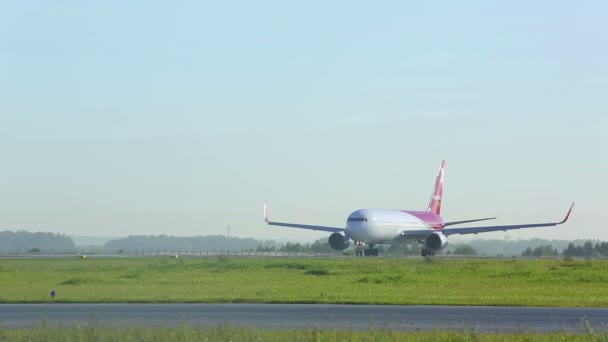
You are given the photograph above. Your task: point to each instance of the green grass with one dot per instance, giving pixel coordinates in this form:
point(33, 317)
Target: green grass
point(95, 332)
point(286, 280)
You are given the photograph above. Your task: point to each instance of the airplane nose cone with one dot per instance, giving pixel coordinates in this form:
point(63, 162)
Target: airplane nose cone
point(356, 223)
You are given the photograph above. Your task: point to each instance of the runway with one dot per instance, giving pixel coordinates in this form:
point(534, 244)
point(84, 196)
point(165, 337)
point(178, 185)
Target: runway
point(286, 316)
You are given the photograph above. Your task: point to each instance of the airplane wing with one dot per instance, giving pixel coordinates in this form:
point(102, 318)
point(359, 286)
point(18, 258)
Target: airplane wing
point(475, 230)
point(468, 221)
point(485, 229)
point(301, 226)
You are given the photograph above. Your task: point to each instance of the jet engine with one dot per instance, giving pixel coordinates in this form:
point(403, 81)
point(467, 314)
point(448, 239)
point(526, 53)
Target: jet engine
point(435, 241)
point(338, 241)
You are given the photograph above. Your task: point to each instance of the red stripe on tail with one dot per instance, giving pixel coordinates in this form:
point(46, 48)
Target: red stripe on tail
point(435, 202)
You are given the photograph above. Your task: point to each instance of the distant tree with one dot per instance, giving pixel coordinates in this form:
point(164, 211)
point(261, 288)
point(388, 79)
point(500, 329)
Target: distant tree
point(295, 248)
point(321, 247)
point(265, 249)
point(539, 251)
point(601, 248)
point(544, 251)
point(588, 249)
point(574, 251)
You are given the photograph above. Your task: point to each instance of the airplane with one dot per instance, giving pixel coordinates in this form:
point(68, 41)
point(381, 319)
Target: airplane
point(388, 226)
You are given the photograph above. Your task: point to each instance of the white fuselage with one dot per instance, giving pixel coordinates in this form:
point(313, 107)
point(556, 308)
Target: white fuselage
point(381, 225)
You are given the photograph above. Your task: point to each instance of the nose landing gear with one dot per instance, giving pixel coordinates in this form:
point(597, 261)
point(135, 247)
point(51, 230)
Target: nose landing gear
point(361, 250)
point(360, 247)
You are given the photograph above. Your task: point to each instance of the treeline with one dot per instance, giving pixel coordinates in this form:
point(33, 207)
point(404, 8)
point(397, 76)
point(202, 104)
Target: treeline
point(211, 242)
point(508, 247)
point(214, 242)
point(535, 247)
point(319, 246)
point(588, 249)
point(540, 251)
point(22, 241)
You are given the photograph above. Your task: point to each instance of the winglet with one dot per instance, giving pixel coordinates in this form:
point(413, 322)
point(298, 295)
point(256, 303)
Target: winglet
point(567, 215)
point(265, 212)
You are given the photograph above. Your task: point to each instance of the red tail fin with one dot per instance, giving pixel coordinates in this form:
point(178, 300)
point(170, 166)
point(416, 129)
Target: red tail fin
point(435, 202)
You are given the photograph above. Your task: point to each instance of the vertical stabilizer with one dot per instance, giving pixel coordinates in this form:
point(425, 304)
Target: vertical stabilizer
point(435, 202)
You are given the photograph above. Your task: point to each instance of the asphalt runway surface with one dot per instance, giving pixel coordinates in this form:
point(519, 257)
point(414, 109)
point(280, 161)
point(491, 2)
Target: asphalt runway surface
point(300, 316)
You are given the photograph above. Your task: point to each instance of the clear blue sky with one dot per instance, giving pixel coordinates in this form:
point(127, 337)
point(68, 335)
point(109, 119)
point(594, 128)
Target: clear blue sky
point(180, 118)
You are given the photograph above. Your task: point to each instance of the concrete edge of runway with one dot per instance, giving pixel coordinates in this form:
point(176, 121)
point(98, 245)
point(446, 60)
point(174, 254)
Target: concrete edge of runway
point(494, 319)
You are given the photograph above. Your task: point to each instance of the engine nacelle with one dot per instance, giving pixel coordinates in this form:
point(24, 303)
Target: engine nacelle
point(338, 241)
point(435, 241)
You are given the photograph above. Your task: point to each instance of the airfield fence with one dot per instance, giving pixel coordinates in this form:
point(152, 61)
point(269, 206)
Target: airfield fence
point(170, 252)
point(211, 253)
point(156, 252)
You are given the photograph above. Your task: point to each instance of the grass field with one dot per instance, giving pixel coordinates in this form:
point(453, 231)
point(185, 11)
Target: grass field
point(292, 280)
point(93, 332)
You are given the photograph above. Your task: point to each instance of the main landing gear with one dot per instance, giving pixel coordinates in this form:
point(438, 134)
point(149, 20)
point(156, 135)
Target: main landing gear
point(427, 252)
point(371, 251)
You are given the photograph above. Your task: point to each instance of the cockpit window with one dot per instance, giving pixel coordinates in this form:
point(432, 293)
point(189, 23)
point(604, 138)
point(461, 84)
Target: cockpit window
point(357, 219)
